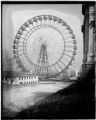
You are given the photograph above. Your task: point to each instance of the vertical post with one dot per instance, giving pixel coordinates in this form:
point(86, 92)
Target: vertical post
point(85, 30)
point(91, 34)
point(88, 37)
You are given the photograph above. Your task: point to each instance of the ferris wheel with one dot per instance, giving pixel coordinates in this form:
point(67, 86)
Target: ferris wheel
point(45, 45)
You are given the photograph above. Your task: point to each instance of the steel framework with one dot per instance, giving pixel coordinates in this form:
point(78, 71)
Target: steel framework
point(45, 45)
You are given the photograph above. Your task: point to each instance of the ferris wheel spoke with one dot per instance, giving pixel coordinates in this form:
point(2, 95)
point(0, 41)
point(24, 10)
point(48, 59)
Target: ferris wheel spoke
point(29, 46)
point(37, 71)
point(65, 60)
point(55, 69)
point(35, 60)
point(68, 45)
point(23, 38)
point(67, 37)
point(69, 41)
point(29, 59)
point(69, 51)
point(44, 62)
point(20, 46)
point(59, 48)
point(41, 71)
point(20, 42)
point(65, 32)
point(20, 54)
point(29, 42)
point(60, 28)
point(59, 66)
point(22, 57)
point(58, 52)
point(52, 71)
point(19, 49)
point(54, 24)
point(33, 70)
point(53, 60)
point(67, 55)
point(61, 61)
point(25, 63)
point(33, 56)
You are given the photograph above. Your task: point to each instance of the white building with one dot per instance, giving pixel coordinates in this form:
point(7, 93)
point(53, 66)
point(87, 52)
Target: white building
point(26, 80)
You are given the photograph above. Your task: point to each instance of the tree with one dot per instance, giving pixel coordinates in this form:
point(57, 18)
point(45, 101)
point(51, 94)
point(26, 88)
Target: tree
point(72, 73)
point(64, 75)
point(9, 66)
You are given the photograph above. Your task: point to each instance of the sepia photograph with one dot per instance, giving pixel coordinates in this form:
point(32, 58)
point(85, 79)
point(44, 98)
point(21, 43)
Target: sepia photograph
point(48, 60)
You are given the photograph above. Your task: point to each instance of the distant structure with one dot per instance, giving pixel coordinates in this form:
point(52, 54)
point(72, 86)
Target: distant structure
point(22, 79)
point(26, 80)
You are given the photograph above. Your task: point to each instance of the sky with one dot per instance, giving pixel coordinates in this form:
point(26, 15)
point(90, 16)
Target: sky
point(15, 15)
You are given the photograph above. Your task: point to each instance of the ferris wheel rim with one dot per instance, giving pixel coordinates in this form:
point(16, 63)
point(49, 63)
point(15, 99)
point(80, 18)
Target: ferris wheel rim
point(59, 32)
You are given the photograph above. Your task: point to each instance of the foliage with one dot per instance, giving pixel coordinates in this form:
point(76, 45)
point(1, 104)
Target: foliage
point(9, 66)
point(64, 75)
point(72, 73)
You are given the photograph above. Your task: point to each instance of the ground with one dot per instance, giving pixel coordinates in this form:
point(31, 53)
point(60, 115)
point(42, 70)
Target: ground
point(76, 101)
point(16, 98)
point(72, 102)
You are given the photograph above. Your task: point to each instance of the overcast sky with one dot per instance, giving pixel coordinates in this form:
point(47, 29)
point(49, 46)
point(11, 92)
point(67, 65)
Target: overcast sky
point(15, 15)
